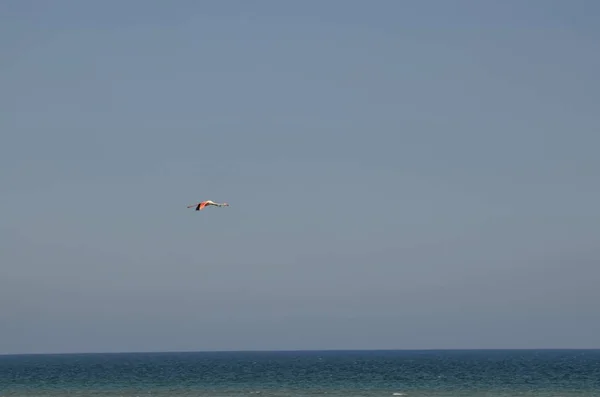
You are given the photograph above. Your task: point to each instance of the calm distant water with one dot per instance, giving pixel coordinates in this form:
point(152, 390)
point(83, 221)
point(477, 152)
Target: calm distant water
point(286, 374)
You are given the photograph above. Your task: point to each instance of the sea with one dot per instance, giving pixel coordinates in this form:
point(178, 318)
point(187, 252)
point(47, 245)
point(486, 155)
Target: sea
point(491, 373)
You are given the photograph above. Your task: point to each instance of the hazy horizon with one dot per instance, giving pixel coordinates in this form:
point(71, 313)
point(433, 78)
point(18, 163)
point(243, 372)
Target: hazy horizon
point(402, 175)
point(332, 351)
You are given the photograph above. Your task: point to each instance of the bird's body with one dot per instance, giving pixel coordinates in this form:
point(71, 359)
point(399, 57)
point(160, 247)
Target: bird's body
point(200, 206)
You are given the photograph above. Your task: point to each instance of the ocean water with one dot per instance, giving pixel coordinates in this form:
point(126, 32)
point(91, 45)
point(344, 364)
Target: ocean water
point(286, 374)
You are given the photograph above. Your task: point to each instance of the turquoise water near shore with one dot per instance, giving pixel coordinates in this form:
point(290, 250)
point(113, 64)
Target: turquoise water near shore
point(328, 373)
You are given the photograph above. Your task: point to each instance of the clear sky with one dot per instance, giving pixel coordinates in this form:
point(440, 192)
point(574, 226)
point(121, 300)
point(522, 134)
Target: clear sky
point(401, 174)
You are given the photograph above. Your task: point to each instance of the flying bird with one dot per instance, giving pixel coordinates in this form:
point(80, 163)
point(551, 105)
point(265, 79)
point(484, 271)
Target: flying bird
point(200, 206)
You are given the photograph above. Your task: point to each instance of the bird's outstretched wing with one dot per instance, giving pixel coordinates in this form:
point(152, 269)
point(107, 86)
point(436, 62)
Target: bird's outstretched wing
point(198, 206)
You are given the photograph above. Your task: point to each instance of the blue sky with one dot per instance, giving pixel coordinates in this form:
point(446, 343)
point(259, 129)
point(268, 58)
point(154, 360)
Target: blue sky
point(415, 174)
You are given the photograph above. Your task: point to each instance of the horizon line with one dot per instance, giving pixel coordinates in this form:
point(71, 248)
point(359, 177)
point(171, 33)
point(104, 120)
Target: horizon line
point(305, 351)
